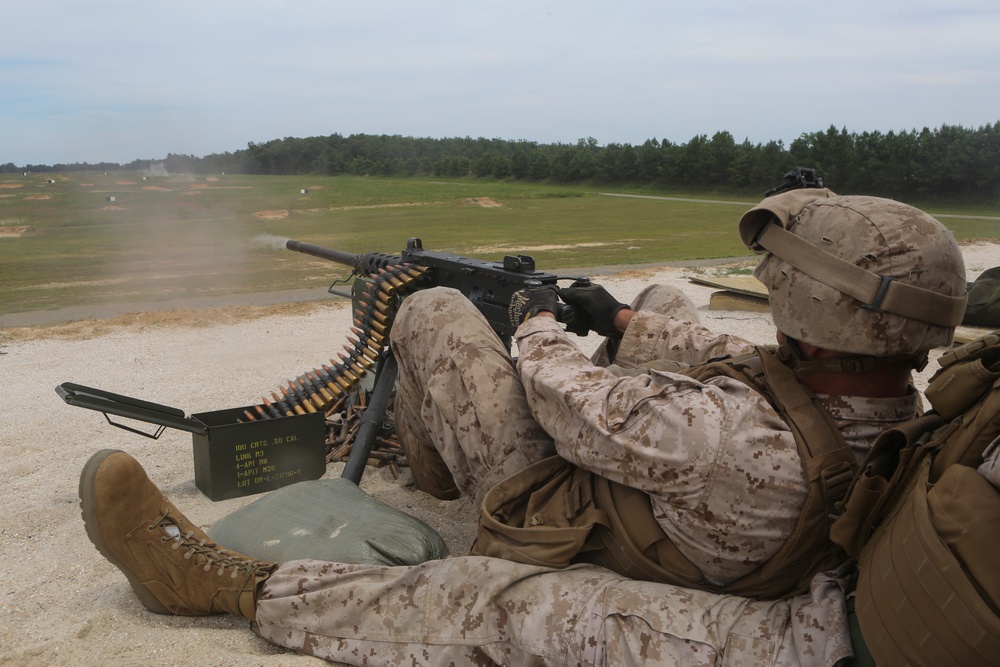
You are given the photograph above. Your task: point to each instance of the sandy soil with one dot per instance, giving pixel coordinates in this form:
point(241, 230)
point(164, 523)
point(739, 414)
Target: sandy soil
point(62, 603)
point(15, 231)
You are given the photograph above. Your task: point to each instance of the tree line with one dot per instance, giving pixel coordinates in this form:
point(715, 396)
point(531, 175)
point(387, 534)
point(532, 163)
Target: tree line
point(949, 162)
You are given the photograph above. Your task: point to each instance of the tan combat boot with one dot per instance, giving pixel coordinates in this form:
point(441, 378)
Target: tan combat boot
point(171, 564)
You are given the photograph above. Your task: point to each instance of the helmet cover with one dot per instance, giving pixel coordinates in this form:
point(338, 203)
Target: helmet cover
point(882, 236)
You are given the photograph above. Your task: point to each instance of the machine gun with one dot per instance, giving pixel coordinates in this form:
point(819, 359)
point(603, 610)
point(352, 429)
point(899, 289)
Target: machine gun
point(800, 177)
point(381, 282)
point(488, 285)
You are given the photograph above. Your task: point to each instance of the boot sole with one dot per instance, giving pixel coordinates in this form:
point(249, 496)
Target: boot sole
point(89, 513)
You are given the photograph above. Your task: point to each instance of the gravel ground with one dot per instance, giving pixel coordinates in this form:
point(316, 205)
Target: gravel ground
point(62, 603)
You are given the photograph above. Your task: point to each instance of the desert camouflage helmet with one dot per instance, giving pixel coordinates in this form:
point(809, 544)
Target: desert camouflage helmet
point(857, 274)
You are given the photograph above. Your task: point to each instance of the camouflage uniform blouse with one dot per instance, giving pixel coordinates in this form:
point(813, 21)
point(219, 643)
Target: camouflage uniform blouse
point(719, 464)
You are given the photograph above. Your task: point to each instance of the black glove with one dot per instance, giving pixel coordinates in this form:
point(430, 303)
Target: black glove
point(529, 301)
point(593, 306)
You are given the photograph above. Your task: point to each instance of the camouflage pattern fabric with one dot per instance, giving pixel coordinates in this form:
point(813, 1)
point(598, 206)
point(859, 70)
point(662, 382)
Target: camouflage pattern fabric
point(461, 413)
point(882, 236)
point(720, 466)
point(481, 611)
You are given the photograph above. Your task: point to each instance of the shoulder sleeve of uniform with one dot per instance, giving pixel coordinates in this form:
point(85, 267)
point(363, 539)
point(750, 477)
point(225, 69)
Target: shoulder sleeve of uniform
point(656, 336)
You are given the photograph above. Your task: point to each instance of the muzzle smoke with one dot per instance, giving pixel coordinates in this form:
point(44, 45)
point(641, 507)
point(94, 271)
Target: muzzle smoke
point(269, 241)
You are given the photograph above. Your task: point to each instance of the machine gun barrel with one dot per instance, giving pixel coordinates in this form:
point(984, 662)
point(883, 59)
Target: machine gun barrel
point(369, 262)
point(329, 254)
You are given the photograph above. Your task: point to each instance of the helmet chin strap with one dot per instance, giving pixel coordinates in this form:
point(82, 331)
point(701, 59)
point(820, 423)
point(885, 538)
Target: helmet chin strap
point(790, 353)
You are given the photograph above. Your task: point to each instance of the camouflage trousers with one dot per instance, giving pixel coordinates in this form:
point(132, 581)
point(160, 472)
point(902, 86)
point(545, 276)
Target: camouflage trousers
point(473, 610)
point(462, 414)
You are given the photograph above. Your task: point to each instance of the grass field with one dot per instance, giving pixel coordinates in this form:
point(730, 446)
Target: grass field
point(95, 238)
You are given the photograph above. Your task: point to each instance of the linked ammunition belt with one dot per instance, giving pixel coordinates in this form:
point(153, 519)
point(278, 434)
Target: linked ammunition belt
point(334, 388)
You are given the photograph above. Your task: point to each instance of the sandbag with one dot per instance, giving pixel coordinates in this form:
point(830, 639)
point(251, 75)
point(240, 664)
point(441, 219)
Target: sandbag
point(328, 520)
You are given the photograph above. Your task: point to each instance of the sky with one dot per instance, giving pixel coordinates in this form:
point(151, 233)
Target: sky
point(108, 80)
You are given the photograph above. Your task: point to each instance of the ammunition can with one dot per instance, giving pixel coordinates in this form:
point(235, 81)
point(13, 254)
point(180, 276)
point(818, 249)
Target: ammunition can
point(234, 459)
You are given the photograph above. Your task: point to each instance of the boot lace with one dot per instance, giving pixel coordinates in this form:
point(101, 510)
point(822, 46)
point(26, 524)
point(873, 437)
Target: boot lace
point(253, 570)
